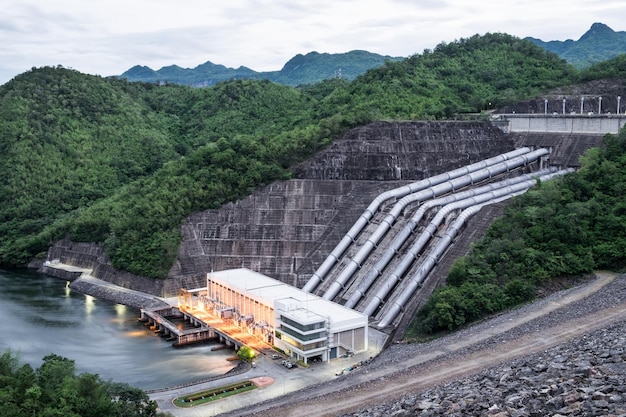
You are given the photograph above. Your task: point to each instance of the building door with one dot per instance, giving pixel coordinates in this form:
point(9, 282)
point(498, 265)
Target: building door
point(333, 353)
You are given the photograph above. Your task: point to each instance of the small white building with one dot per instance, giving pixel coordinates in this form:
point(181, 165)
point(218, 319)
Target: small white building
point(302, 325)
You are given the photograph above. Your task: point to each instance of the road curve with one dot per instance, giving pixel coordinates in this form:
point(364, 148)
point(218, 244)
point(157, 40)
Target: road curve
point(449, 361)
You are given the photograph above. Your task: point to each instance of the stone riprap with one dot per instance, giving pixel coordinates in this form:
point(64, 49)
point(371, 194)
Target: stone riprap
point(118, 295)
point(585, 376)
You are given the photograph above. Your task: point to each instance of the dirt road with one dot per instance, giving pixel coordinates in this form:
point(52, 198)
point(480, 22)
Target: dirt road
point(453, 359)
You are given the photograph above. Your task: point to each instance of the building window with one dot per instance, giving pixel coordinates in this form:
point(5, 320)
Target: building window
point(299, 345)
point(303, 337)
point(302, 327)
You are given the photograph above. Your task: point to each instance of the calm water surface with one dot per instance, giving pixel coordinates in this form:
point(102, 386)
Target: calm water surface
point(39, 315)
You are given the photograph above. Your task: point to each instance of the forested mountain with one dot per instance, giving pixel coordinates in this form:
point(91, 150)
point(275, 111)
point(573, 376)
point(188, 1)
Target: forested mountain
point(106, 160)
point(598, 44)
point(299, 70)
point(201, 76)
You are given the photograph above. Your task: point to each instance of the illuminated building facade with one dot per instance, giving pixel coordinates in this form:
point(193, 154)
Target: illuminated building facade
point(302, 325)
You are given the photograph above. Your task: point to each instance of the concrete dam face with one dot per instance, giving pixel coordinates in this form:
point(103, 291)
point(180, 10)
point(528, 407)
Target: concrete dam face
point(286, 229)
point(291, 230)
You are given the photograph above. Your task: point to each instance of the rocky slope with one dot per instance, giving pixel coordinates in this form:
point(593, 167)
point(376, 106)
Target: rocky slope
point(562, 355)
point(584, 377)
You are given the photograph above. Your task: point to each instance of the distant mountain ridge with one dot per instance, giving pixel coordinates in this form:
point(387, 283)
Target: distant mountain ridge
point(301, 69)
point(598, 44)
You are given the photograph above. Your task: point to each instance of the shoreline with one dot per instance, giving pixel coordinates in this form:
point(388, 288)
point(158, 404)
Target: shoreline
point(82, 281)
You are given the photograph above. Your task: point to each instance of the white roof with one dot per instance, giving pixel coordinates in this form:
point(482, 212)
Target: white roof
point(268, 290)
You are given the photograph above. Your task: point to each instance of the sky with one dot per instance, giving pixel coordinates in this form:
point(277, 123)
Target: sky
point(109, 37)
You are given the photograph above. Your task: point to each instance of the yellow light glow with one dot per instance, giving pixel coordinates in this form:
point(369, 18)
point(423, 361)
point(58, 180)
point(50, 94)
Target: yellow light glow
point(136, 333)
point(120, 309)
point(90, 304)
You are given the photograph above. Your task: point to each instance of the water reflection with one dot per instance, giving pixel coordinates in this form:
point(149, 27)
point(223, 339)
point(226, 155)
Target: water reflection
point(90, 305)
point(41, 315)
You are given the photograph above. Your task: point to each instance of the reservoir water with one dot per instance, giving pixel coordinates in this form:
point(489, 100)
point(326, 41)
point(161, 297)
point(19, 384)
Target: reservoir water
point(40, 315)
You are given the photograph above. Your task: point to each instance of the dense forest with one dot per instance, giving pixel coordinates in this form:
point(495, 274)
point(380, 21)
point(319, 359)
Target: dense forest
point(106, 160)
point(55, 389)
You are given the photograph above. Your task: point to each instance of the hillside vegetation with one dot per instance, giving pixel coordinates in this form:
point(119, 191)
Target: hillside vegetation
point(566, 227)
point(105, 160)
point(55, 389)
point(600, 43)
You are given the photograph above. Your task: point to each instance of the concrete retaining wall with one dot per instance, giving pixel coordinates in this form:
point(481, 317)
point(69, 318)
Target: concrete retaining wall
point(591, 124)
point(286, 229)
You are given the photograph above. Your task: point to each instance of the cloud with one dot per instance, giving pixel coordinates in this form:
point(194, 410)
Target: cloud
point(109, 37)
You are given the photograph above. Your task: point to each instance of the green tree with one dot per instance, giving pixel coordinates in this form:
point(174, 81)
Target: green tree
point(54, 389)
point(246, 353)
point(567, 227)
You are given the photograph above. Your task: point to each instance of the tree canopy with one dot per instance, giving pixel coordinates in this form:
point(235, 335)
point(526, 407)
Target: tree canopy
point(106, 160)
point(55, 389)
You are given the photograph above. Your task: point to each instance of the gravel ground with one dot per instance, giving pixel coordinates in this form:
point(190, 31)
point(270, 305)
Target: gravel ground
point(580, 376)
point(608, 296)
point(583, 376)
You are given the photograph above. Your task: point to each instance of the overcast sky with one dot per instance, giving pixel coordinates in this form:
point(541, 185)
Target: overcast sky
point(108, 37)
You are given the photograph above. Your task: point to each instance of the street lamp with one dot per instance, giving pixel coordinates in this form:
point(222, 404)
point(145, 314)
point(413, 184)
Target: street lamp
point(545, 106)
point(599, 105)
point(563, 106)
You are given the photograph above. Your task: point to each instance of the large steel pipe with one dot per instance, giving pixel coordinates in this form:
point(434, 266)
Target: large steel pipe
point(399, 192)
point(409, 227)
point(416, 280)
point(431, 192)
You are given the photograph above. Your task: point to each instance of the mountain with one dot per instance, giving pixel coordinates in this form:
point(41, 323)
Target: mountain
point(203, 75)
point(124, 163)
point(598, 44)
point(299, 70)
point(314, 67)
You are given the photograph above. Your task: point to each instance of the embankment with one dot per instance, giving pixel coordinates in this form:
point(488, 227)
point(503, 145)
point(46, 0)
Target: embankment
point(286, 229)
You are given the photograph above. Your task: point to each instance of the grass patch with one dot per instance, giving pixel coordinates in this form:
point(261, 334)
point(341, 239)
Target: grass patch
point(213, 394)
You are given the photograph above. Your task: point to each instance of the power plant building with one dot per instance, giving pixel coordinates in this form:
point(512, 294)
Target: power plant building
point(301, 324)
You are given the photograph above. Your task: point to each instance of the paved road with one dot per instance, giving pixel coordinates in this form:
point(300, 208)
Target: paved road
point(281, 380)
point(316, 391)
point(393, 380)
point(278, 381)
